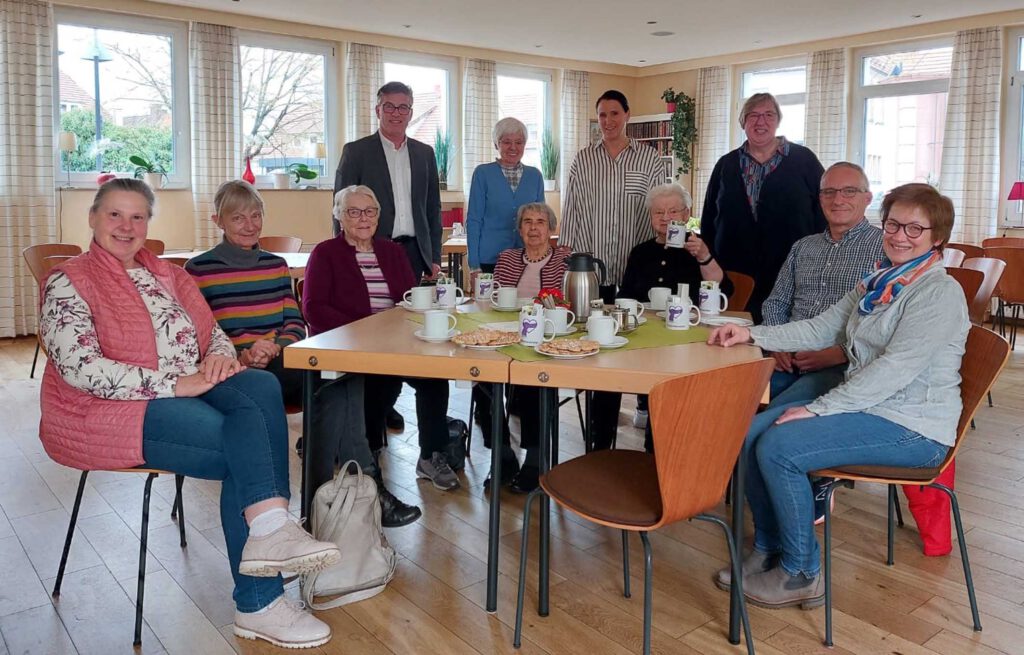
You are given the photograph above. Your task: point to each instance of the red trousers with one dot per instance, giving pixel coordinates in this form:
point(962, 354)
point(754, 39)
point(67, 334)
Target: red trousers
point(931, 511)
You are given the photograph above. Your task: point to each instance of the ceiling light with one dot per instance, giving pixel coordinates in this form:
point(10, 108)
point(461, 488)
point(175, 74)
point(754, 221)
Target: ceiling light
point(642, 61)
point(538, 46)
point(652, 22)
point(662, 33)
point(406, 26)
point(915, 15)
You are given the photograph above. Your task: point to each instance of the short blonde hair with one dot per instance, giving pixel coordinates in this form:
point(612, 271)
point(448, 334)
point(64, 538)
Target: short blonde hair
point(669, 189)
point(341, 198)
point(754, 101)
point(236, 194)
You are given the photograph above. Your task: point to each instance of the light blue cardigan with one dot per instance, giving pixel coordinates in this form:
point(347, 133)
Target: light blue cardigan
point(491, 220)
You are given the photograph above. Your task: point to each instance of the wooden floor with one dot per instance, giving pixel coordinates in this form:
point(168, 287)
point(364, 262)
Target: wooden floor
point(435, 603)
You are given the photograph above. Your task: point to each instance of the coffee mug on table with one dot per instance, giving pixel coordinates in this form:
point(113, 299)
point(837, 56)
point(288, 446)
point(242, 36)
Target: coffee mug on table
point(659, 296)
point(712, 300)
point(420, 297)
point(634, 306)
point(437, 323)
point(448, 294)
point(601, 329)
point(533, 326)
point(485, 285)
point(505, 297)
point(561, 317)
point(675, 236)
point(679, 312)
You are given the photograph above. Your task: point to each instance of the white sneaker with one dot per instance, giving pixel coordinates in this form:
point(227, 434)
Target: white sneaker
point(284, 623)
point(289, 548)
point(640, 417)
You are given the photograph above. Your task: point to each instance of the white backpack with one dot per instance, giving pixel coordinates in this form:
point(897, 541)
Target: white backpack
point(346, 512)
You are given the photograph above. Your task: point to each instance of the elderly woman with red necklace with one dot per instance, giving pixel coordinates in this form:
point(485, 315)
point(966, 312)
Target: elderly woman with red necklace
point(142, 375)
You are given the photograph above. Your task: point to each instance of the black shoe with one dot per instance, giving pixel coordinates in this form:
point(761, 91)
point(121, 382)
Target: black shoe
point(509, 469)
point(393, 512)
point(526, 480)
point(394, 421)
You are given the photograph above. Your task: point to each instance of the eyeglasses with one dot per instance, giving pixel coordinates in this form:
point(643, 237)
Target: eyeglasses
point(846, 192)
point(912, 230)
point(369, 212)
point(403, 110)
point(670, 212)
point(768, 116)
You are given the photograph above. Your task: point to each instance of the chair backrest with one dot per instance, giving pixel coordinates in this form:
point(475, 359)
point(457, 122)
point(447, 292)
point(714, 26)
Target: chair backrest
point(281, 244)
point(953, 257)
point(1011, 283)
point(35, 256)
point(970, 281)
point(968, 249)
point(299, 286)
point(1003, 242)
point(742, 288)
point(155, 246)
point(984, 357)
point(992, 269)
point(177, 261)
point(699, 423)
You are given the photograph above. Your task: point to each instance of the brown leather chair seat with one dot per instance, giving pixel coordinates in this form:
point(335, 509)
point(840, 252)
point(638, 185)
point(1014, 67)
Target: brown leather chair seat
point(618, 486)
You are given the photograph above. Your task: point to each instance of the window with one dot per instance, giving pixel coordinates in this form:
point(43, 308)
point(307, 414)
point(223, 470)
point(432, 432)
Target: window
point(123, 91)
point(787, 81)
point(1013, 168)
point(899, 113)
point(285, 88)
point(525, 94)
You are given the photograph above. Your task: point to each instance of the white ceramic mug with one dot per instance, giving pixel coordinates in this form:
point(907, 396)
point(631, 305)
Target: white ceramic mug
point(680, 314)
point(601, 329)
point(713, 301)
point(635, 307)
point(448, 294)
point(675, 235)
point(561, 317)
point(437, 323)
point(419, 297)
point(505, 297)
point(485, 285)
point(659, 296)
point(533, 327)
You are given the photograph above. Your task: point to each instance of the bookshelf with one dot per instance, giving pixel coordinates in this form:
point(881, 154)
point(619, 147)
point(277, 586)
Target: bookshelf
point(655, 130)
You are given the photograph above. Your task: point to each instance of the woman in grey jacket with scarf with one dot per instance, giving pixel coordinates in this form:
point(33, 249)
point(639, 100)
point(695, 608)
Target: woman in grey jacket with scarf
point(903, 329)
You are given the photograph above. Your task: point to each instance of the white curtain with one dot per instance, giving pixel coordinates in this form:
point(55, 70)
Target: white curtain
point(214, 66)
point(970, 149)
point(712, 115)
point(575, 113)
point(26, 150)
point(825, 121)
point(364, 75)
point(479, 114)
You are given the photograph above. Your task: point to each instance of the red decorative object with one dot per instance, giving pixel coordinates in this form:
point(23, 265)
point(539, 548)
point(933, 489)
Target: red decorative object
point(1016, 191)
point(248, 175)
point(555, 294)
point(670, 107)
point(105, 177)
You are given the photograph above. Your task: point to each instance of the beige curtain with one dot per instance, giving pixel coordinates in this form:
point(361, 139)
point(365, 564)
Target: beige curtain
point(574, 126)
point(364, 75)
point(26, 150)
point(825, 120)
point(214, 66)
point(479, 114)
point(712, 127)
point(970, 149)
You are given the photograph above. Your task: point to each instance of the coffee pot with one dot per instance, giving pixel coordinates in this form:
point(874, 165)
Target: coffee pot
point(584, 273)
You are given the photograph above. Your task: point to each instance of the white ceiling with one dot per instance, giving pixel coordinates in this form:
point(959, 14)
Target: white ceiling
point(614, 31)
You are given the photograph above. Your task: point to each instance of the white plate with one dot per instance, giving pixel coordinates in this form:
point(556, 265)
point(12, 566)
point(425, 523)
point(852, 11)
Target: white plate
point(537, 349)
point(569, 330)
point(409, 308)
point(617, 342)
point(422, 337)
point(716, 321)
point(487, 347)
point(510, 326)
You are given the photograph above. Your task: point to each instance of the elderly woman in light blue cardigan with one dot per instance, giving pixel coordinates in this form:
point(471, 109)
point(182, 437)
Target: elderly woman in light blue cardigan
point(904, 330)
point(495, 195)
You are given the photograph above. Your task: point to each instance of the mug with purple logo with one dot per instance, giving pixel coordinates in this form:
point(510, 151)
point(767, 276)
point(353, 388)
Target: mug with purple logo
point(533, 327)
point(681, 314)
point(448, 294)
point(712, 300)
point(675, 236)
point(485, 285)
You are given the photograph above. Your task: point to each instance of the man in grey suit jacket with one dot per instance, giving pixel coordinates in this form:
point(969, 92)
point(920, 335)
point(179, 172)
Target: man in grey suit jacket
point(403, 174)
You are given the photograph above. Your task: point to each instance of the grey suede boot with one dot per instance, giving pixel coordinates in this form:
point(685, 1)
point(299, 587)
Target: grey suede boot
point(776, 588)
point(754, 562)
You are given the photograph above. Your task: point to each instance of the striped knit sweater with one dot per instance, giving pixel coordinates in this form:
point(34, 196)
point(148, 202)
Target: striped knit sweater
point(250, 293)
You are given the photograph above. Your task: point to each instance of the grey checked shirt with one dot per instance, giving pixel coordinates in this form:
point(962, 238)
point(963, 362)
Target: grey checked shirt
point(819, 271)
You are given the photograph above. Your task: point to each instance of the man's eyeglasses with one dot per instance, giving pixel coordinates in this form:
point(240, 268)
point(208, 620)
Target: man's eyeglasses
point(912, 230)
point(369, 212)
point(403, 110)
point(846, 192)
point(768, 116)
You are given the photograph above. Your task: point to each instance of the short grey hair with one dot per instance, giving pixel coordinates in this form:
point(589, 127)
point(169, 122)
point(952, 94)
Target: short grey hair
point(754, 101)
point(540, 207)
point(341, 198)
point(852, 167)
point(394, 87)
point(669, 189)
point(508, 126)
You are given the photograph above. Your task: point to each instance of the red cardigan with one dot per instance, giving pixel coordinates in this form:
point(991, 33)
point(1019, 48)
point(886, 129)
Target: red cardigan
point(334, 292)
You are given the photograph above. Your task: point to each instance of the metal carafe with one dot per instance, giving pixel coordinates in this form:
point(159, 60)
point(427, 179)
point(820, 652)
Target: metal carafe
point(584, 273)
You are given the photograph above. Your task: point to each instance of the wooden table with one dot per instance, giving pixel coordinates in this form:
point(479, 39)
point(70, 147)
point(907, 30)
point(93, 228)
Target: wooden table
point(296, 260)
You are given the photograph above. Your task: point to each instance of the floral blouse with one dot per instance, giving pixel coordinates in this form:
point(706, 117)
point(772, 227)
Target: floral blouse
point(69, 335)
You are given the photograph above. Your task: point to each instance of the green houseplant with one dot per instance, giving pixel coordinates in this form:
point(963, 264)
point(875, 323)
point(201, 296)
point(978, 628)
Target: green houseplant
point(444, 153)
point(301, 172)
point(152, 172)
point(669, 96)
point(684, 131)
point(549, 158)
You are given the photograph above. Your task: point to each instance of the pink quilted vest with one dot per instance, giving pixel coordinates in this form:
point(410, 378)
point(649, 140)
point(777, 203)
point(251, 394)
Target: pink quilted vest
point(87, 432)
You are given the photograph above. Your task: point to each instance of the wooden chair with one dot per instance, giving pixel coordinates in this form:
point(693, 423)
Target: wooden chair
point(969, 250)
point(992, 269)
point(155, 246)
point(40, 259)
point(742, 288)
point(985, 356)
point(177, 261)
point(951, 257)
point(1010, 287)
point(635, 491)
point(970, 281)
point(281, 244)
point(1003, 242)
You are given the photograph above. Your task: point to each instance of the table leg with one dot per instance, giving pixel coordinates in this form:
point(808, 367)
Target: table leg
point(546, 433)
point(737, 534)
point(309, 379)
point(494, 527)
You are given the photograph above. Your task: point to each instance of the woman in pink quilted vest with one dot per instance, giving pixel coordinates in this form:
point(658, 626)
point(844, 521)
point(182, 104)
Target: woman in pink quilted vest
point(141, 375)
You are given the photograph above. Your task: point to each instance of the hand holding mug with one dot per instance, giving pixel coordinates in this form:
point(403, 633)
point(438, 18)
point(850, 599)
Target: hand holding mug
point(729, 335)
point(696, 247)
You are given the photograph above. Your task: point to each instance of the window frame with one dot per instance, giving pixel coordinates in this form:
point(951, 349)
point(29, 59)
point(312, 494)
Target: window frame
point(254, 39)
point(737, 136)
point(544, 75)
point(1013, 128)
point(180, 112)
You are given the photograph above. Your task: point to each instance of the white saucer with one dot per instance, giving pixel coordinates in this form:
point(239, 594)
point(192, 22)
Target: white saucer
point(409, 308)
point(661, 314)
point(680, 327)
point(509, 326)
point(451, 333)
point(568, 330)
point(716, 321)
point(616, 342)
point(499, 308)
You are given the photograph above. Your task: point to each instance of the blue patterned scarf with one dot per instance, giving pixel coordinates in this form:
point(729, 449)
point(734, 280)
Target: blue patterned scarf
point(881, 287)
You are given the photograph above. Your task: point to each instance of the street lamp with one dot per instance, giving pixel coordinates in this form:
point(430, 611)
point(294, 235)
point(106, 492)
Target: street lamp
point(97, 54)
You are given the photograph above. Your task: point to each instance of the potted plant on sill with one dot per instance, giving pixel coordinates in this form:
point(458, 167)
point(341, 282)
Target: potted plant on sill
point(154, 174)
point(549, 158)
point(444, 153)
point(670, 98)
point(301, 172)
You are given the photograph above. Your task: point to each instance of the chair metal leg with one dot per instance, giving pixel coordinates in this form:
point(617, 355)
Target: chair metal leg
point(179, 507)
point(71, 533)
point(625, 564)
point(890, 512)
point(728, 491)
point(963, 553)
point(579, 412)
point(737, 574)
point(990, 400)
point(523, 550)
point(469, 422)
point(35, 358)
point(899, 509)
point(648, 591)
point(140, 593)
point(831, 489)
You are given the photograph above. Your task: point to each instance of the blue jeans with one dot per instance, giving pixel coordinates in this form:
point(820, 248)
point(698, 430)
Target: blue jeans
point(787, 387)
point(777, 486)
point(235, 433)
